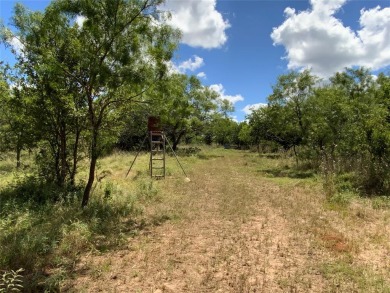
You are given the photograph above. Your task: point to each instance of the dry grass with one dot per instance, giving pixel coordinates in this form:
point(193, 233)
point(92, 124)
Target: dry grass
point(244, 223)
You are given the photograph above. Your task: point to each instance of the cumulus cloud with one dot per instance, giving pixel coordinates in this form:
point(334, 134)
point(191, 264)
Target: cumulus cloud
point(248, 109)
point(221, 91)
point(199, 21)
point(316, 39)
point(193, 63)
point(201, 75)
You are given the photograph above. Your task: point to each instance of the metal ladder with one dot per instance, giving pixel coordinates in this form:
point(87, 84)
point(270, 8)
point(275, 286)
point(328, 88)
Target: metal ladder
point(157, 154)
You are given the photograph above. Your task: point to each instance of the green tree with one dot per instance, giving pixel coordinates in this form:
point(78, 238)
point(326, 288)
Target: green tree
point(124, 52)
point(290, 93)
point(284, 120)
point(56, 112)
point(329, 117)
point(115, 56)
point(244, 135)
point(16, 127)
point(184, 106)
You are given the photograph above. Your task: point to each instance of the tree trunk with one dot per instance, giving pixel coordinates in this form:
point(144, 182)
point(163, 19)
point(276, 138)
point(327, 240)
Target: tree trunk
point(176, 140)
point(62, 154)
point(18, 152)
point(91, 179)
point(296, 155)
point(75, 158)
point(174, 145)
point(92, 167)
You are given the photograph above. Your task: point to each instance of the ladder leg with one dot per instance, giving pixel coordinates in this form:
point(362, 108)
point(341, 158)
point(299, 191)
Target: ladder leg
point(177, 159)
point(139, 150)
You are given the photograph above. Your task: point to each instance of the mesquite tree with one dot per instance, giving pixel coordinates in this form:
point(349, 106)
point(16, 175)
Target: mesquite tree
point(97, 55)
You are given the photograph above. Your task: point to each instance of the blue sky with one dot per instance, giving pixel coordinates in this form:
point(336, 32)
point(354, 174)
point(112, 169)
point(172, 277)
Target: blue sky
point(240, 47)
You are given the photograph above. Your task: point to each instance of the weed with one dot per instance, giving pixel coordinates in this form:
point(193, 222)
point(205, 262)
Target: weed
point(146, 189)
point(11, 281)
point(108, 189)
point(381, 202)
point(341, 200)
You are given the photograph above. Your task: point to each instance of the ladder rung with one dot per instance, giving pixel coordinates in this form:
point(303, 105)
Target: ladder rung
point(158, 159)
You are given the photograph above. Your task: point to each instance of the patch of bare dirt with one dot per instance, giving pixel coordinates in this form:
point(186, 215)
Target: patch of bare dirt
point(238, 233)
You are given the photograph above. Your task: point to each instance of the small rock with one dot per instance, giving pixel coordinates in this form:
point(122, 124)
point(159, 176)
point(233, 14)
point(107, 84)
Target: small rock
point(218, 276)
point(169, 288)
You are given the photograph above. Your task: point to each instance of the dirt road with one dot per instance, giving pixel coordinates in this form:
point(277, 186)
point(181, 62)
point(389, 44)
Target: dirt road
point(236, 230)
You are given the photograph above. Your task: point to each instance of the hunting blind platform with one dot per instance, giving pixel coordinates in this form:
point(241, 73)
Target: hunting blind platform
point(157, 143)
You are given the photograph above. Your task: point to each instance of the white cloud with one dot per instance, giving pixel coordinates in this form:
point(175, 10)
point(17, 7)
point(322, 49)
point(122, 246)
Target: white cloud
point(316, 39)
point(201, 75)
point(199, 21)
point(191, 64)
point(195, 62)
point(80, 20)
point(221, 91)
point(248, 109)
point(16, 45)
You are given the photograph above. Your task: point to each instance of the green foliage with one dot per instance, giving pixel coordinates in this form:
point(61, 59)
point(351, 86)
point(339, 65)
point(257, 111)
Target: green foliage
point(381, 202)
point(224, 130)
point(340, 126)
point(184, 108)
point(40, 235)
point(80, 77)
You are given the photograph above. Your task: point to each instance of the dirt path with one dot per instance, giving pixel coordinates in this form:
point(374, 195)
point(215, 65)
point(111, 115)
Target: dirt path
point(237, 232)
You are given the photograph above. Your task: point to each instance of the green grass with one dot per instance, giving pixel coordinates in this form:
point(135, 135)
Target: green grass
point(345, 277)
point(51, 236)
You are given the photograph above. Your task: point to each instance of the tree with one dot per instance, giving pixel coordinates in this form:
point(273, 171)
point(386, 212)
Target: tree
point(291, 92)
point(244, 135)
point(16, 127)
point(56, 108)
point(329, 125)
point(284, 120)
point(113, 57)
point(184, 106)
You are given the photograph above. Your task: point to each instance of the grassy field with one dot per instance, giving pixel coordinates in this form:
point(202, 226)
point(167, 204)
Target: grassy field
point(244, 223)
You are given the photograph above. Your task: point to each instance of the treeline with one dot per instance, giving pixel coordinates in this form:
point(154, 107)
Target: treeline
point(337, 126)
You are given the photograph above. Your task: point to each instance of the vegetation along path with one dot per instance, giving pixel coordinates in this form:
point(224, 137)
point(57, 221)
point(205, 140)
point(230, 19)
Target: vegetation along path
point(246, 223)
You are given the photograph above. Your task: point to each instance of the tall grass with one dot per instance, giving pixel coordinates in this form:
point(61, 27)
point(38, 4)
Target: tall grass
point(43, 230)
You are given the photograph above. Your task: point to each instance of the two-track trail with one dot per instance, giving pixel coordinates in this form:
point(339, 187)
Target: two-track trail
point(236, 231)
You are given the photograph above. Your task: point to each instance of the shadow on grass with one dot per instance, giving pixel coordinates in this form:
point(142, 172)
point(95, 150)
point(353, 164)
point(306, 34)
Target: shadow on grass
point(185, 152)
point(44, 230)
point(287, 172)
point(271, 156)
point(208, 157)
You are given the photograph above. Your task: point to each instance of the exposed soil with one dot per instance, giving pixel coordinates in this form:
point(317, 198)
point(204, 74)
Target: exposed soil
point(236, 231)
